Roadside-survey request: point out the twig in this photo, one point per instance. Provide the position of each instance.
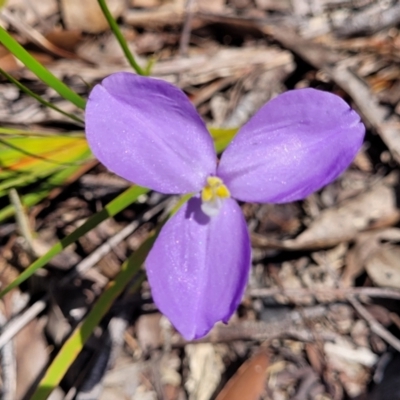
(291, 325)
(107, 246)
(17, 323)
(375, 326)
(187, 27)
(376, 114)
(8, 368)
(309, 379)
(369, 21)
(35, 36)
(339, 292)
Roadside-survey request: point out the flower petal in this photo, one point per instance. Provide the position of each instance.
(147, 131)
(294, 145)
(198, 267)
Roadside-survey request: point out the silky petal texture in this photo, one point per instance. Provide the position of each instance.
(147, 131)
(294, 145)
(199, 266)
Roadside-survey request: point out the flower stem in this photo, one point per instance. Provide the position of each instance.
(122, 42)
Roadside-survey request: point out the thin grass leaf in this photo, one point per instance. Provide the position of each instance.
(40, 99)
(81, 334)
(36, 153)
(74, 344)
(23, 180)
(39, 70)
(40, 193)
(26, 159)
(121, 40)
(110, 210)
(28, 133)
(20, 170)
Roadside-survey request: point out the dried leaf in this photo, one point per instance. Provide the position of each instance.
(248, 382)
(338, 224)
(369, 250)
(383, 266)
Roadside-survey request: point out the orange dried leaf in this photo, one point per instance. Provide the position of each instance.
(249, 381)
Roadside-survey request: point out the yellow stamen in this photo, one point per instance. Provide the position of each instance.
(214, 181)
(207, 194)
(212, 195)
(222, 191)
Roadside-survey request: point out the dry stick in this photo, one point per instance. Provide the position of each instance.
(105, 248)
(349, 295)
(366, 22)
(375, 326)
(261, 330)
(16, 324)
(376, 114)
(35, 36)
(339, 292)
(8, 365)
(187, 27)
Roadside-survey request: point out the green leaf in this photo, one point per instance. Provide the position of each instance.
(40, 99)
(6, 131)
(39, 70)
(111, 209)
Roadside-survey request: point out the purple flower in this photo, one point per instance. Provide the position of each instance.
(148, 132)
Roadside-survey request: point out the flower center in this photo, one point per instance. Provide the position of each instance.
(212, 196)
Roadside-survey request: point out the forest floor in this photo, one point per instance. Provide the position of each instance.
(320, 318)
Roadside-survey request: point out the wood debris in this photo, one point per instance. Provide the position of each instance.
(320, 317)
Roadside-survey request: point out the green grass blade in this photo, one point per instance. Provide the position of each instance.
(30, 172)
(23, 180)
(121, 40)
(111, 209)
(29, 154)
(22, 132)
(41, 192)
(39, 70)
(40, 99)
(81, 334)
